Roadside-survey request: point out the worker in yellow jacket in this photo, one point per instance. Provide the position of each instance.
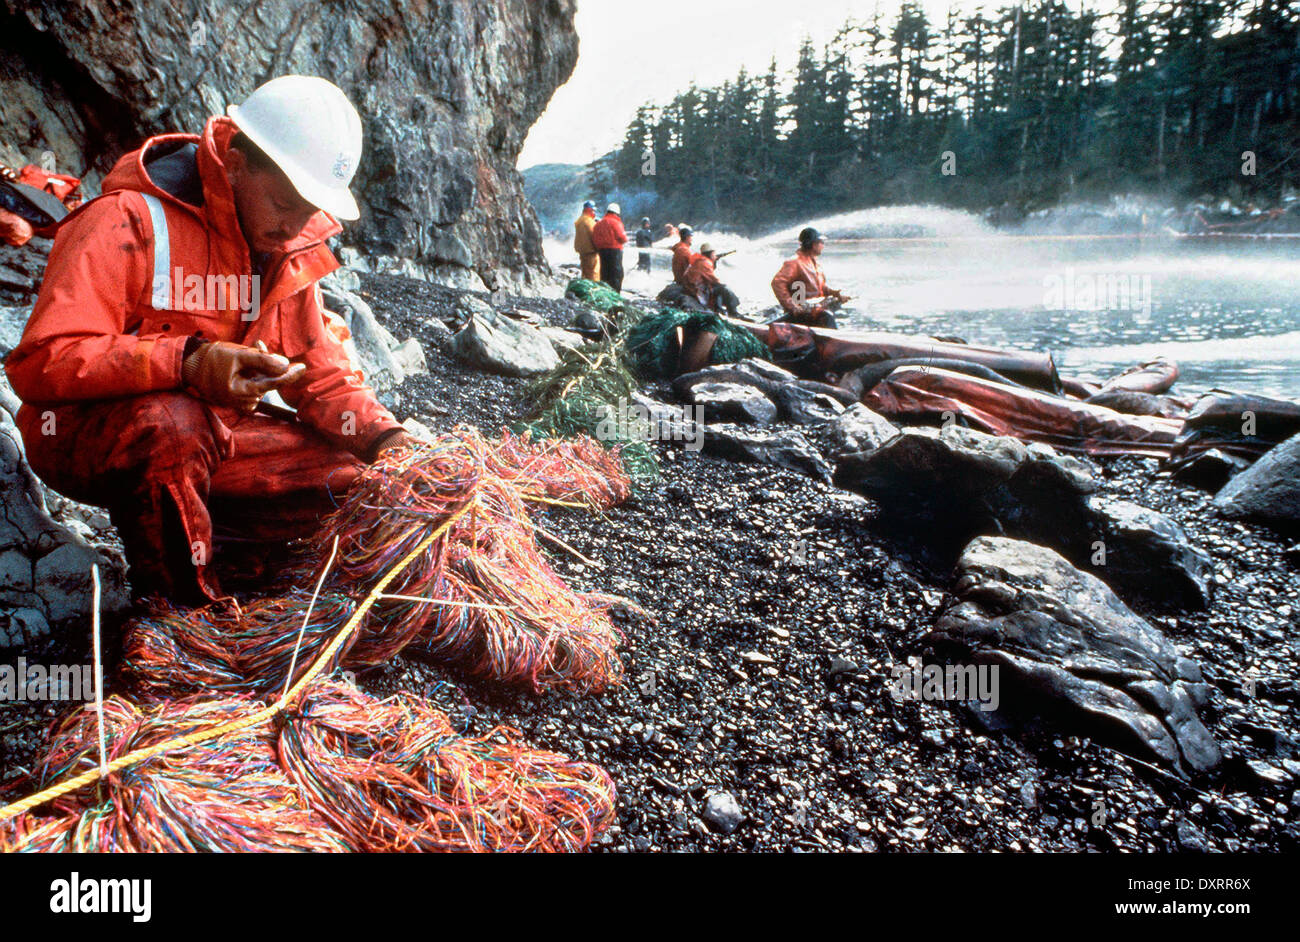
(582, 243)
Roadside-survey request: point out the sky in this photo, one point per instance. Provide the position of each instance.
(633, 51)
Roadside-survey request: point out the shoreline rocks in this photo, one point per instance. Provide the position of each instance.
(784, 448)
(949, 485)
(500, 344)
(45, 563)
(383, 361)
(780, 605)
(1061, 636)
(1267, 491)
(732, 402)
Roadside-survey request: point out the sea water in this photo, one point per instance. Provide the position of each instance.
(1228, 311)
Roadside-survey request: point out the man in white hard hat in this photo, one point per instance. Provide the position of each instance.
(609, 238)
(171, 305)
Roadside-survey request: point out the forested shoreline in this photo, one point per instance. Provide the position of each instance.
(1016, 107)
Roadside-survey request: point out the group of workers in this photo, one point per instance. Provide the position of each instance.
(799, 285)
(599, 244)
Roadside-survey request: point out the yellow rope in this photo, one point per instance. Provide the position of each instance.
(261, 716)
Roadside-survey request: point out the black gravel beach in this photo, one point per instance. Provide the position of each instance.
(756, 711)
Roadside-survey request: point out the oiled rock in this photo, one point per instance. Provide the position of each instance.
(1066, 645)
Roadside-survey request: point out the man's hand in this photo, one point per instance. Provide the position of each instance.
(397, 438)
(230, 374)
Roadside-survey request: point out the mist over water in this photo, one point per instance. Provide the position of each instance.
(1227, 311)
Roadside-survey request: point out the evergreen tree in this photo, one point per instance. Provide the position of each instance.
(1038, 100)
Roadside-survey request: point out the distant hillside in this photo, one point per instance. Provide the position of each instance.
(557, 192)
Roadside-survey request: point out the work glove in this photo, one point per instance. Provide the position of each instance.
(397, 438)
(230, 374)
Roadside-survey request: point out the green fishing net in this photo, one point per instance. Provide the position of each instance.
(576, 398)
(651, 344)
(595, 293)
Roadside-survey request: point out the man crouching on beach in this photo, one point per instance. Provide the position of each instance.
(176, 300)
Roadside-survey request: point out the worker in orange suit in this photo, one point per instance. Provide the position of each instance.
(800, 286)
(609, 238)
(171, 305)
(702, 281)
(588, 257)
(683, 255)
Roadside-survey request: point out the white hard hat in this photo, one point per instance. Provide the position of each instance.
(308, 127)
(614, 208)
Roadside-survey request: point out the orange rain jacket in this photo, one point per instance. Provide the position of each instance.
(700, 276)
(683, 255)
(802, 269)
(582, 227)
(115, 309)
(608, 233)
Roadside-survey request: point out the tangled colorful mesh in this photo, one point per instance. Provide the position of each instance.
(433, 548)
(345, 772)
(229, 794)
(482, 597)
(393, 775)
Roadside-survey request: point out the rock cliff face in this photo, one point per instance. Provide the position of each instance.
(447, 90)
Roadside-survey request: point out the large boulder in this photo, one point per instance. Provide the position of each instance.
(799, 403)
(1138, 546)
(1267, 491)
(732, 402)
(784, 448)
(13, 318)
(958, 472)
(45, 563)
(949, 485)
(859, 430)
(447, 91)
(756, 367)
(795, 400)
(1067, 647)
(384, 362)
(500, 344)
